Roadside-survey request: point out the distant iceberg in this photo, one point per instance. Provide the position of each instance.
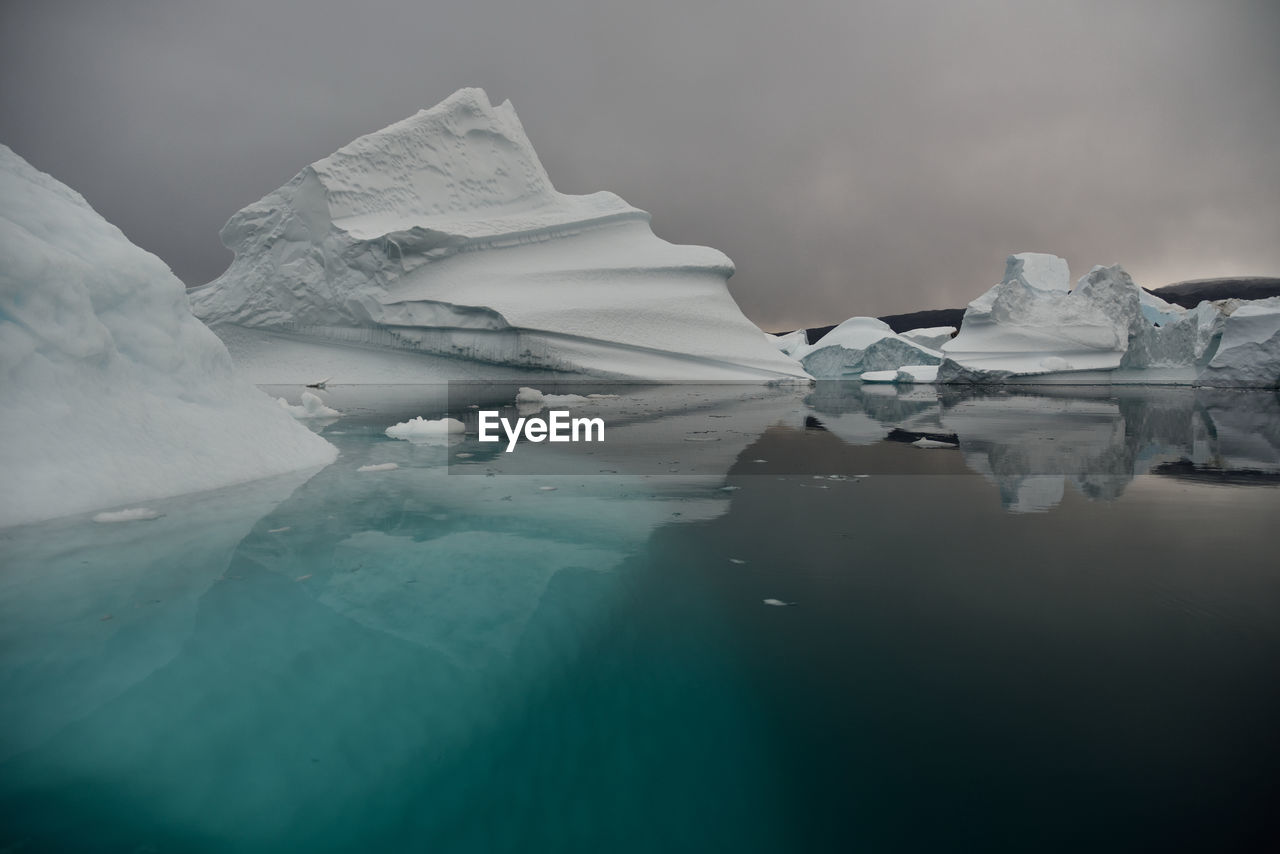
(1032, 327)
(437, 249)
(861, 345)
(113, 392)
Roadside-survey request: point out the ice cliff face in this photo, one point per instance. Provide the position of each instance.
(113, 391)
(437, 249)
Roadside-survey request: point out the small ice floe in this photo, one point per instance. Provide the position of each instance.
(547, 488)
(778, 603)
(134, 514)
(380, 467)
(933, 443)
(311, 407)
(422, 430)
(730, 488)
(739, 561)
(303, 577)
(759, 461)
(279, 530)
(533, 397)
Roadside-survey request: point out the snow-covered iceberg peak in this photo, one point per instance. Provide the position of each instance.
(437, 249)
(113, 392)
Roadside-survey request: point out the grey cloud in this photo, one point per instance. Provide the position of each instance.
(851, 158)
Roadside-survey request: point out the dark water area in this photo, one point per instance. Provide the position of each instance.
(1052, 627)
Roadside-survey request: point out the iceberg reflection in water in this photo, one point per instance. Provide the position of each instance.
(564, 648)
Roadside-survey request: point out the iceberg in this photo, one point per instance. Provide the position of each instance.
(1248, 352)
(861, 345)
(437, 249)
(1032, 328)
(1033, 324)
(114, 392)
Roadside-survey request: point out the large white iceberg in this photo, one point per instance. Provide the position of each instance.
(860, 345)
(113, 391)
(437, 249)
(1031, 327)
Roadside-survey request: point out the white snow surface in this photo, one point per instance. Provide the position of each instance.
(441, 238)
(906, 375)
(860, 345)
(932, 337)
(113, 392)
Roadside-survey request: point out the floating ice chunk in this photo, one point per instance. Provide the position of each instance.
(135, 514)
(778, 603)
(737, 560)
(379, 467)
(420, 429)
(310, 407)
(532, 397)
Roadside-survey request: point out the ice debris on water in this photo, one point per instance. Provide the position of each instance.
(380, 467)
(778, 603)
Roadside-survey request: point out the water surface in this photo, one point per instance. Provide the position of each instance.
(1058, 634)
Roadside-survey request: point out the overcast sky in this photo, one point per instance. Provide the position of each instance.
(852, 158)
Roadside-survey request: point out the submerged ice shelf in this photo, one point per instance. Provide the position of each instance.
(437, 249)
(114, 392)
